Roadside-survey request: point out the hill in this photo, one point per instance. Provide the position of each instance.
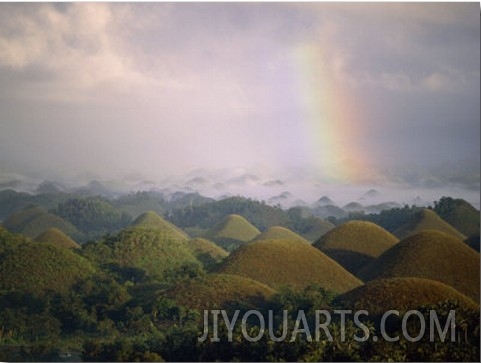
(153, 220)
(221, 291)
(473, 242)
(317, 228)
(426, 219)
(460, 214)
(280, 262)
(36, 267)
(232, 232)
(280, 233)
(57, 237)
(432, 255)
(355, 243)
(33, 221)
(402, 294)
(141, 252)
(207, 252)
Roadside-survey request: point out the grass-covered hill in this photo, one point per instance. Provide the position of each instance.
(207, 252)
(355, 243)
(402, 294)
(56, 237)
(279, 263)
(141, 252)
(151, 219)
(232, 232)
(280, 233)
(34, 267)
(313, 228)
(221, 291)
(33, 221)
(460, 214)
(426, 219)
(432, 255)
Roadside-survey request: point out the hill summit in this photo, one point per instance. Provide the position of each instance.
(233, 231)
(56, 237)
(280, 233)
(151, 219)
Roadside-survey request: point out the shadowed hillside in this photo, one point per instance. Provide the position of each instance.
(460, 214)
(401, 293)
(355, 243)
(207, 252)
(221, 291)
(57, 238)
(151, 219)
(232, 232)
(433, 255)
(280, 262)
(426, 219)
(33, 221)
(280, 233)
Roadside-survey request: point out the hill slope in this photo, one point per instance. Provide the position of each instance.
(33, 221)
(280, 262)
(207, 252)
(402, 294)
(152, 220)
(280, 233)
(215, 291)
(355, 243)
(432, 255)
(426, 219)
(460, 214)
(57, 238)
(233, 231)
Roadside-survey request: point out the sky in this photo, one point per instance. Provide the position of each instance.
(350, 93)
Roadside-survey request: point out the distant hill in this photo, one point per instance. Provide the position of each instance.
(141, 251)
(280, 233)
(355, 243)
(36, 267)
(33, 221)
(460, 214)
(233, 231)
(473, 242)
(56, 237)
(426, 219)
(401, 294)
(315, 228)
(207, 252)
(153, 220)
(433, 255)
(281, 262)
(221, 291)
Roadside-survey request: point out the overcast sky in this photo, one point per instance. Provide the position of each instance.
(376, 92)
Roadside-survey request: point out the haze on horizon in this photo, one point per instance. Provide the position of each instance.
(379, 93)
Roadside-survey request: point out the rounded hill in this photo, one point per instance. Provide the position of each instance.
(432, 255)
(426, 219)
(221, 291)
(280, 233)
(37, 267)
(151, 219)
(138, 252)
(402, 294)
(233, 231)
(282, 262)
(459, 214)
(315, 228)
(207, 252)
(56, 237)
(355, 243)
(33, 221)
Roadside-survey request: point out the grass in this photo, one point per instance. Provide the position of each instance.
(56, 237)
(207, 252)
(464, 217)
(152, 220)
(221, 291)
(280, 233)
(279, 263)
(427, 219)
(355, 243)
(402, 294)
(432, 255)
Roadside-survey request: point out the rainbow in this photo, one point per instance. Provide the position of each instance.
(329, 117)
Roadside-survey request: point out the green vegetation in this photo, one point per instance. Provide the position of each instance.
(151, 219)
(355, 243)
(460, 214)
(207, 252)
(432, 255)
(57, 237)
(280, 233)
(424, 220)
(401, 293)
(277, 263)
(232, 232)
(33, 221)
